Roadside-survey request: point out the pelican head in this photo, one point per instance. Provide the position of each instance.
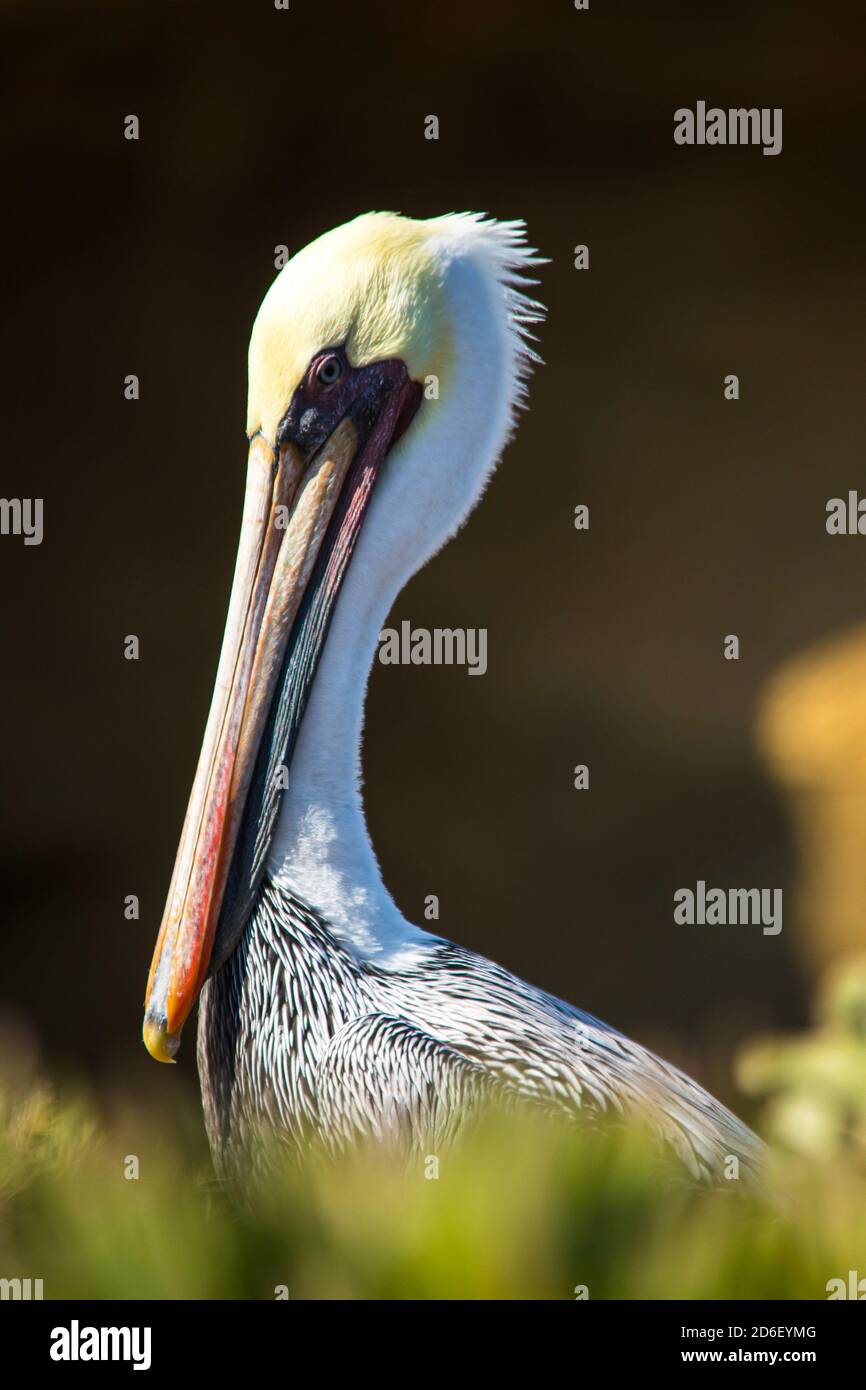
(385, 366)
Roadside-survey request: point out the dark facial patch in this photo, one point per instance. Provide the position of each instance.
(316, 408)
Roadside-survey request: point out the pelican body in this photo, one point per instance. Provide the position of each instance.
(386, 365)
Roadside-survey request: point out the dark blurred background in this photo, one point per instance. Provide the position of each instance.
(261, 127)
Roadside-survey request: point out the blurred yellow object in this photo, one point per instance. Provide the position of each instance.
(811, 731)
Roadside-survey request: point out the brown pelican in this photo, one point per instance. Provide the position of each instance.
(386, 365)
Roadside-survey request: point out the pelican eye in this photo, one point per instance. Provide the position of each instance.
(329, 370)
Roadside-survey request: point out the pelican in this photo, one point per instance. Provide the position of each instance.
(324, 1014)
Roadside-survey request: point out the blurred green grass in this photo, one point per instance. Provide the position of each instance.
(525, 1209)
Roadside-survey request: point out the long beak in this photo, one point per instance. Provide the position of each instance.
(287, 511)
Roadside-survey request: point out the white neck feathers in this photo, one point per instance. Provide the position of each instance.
(321, 850)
